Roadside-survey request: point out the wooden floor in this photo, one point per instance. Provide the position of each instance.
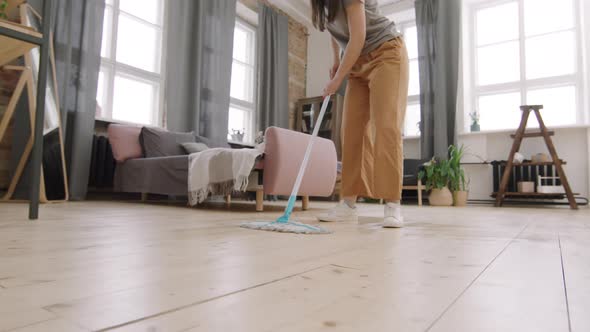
(138, 267)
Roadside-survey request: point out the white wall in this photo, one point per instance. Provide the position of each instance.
(585, 14)
(319, 61)
(588, 157)
(246, 14)
(585, 26)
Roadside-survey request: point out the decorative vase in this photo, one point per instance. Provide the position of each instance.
(441, 197)
(237, 137)
(475, 127)
(460, 198)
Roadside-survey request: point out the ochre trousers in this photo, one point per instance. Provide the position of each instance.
(374, 110)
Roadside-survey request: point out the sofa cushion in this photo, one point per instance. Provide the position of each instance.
(125, 142)
(164, 176)
(194, 147)
(161, 143)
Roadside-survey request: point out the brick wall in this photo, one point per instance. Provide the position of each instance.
(298, 35)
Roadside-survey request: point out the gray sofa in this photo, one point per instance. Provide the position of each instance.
(162, 167)
(153, 161)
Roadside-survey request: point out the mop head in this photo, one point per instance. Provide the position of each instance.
(284, 224)
(284, 227)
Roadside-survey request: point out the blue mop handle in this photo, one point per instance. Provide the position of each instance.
(293, 197)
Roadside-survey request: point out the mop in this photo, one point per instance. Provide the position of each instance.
(284, 224)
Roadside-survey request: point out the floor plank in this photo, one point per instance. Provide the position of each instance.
(521, 290)
(12, 319)
(393, 289)
(161, 267)
(51, 325)
(576, 265)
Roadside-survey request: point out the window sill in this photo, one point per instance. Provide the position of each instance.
(107, 120)
(512, 131)
(411, 138)
(112, 121)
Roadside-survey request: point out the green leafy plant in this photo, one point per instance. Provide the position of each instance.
(3, 6)
(435, 174)
(457, 178)
(474, 117)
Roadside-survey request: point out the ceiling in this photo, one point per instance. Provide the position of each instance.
(381, 2)
(300, 9)
(388, 2)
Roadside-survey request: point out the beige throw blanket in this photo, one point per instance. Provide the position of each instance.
(220, 172)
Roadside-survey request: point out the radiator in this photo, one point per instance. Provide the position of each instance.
(102, 166)
(521, 173)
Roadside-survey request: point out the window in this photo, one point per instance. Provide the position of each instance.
(525, 52)
(130, 83)
(410, 32)
(412, 120)
(243, 86)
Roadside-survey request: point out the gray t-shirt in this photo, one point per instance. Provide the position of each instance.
(379, 28)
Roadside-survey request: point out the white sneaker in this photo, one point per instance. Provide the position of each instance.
(393, 216)
(341, 212)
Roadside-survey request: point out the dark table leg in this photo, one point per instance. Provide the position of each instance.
(40, 113)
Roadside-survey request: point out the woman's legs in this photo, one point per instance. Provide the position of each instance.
(354, 170)
(389, 91)
(372, 151)
(388, 97)
(350, 201)
(355, 179)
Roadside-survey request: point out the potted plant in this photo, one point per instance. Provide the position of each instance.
(3, 7)
(457, 180)
(474, 122)
(435, 176)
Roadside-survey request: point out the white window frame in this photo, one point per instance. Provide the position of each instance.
(412, 99)
(249, 107)
(523, 85)
(110, 65)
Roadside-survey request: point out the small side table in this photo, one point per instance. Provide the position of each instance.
(18, 32)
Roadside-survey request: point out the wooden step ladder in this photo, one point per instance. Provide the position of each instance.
(558, 163)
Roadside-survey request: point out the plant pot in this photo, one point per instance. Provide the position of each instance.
(475, 127)
(12, 9)
(460, 198)
(440, 197)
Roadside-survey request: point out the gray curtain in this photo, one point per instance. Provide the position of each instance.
(198, 66)
(439, 37)
(273, 64)
(77, 36)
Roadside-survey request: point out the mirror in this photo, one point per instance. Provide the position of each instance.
(31, 19)
(54, 171)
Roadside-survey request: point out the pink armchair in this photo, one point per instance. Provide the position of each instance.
(283, 156)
